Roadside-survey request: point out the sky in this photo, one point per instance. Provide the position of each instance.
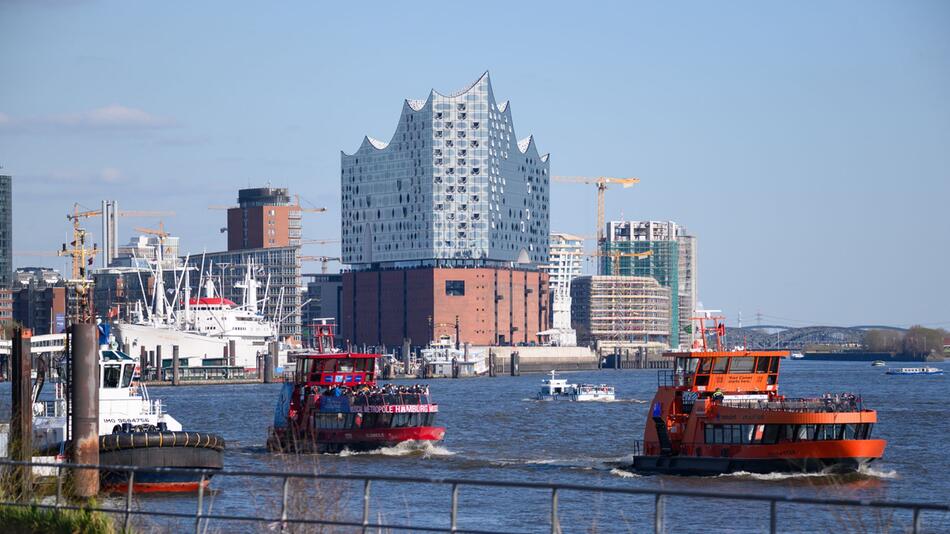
(805, 144)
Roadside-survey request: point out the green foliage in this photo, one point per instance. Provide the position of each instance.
(29, 519)
(916, 341)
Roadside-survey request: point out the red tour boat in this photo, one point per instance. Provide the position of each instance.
(720, 411)
(334, 403)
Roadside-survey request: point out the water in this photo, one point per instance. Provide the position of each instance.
(496, 431)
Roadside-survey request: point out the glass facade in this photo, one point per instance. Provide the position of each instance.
(6, 231)
(453, 187)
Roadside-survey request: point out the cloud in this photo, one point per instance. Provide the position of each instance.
(114, 117)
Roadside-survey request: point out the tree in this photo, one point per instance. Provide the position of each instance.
(883, 341)
(920, 340)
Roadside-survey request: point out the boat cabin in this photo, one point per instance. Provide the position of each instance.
(116, 369)
(336, 369)
(737, 372)
(556, 386)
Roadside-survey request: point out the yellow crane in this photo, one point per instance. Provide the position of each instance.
(109, 212)
(318, 241)
(601, 182)
(615, 258)
(324, 261)
(296, 206)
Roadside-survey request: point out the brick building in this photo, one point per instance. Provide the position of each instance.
(264, 218)
(493, 305)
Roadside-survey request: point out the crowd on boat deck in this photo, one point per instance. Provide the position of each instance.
(372, 395)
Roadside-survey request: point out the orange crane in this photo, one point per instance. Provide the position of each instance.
(601, 183)
(324, 261)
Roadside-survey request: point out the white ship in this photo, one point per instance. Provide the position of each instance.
(202, 328)
(558, 389)
(441, 358)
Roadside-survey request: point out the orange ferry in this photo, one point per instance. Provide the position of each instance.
(720, 411)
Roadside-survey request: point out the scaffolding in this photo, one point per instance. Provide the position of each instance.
(621, 311)
(662, 265)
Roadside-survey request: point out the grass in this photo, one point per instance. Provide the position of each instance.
(29, 519)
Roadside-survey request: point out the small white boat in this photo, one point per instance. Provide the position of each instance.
(797, 356)
(558, 389)
(916, 371)
(878, 363)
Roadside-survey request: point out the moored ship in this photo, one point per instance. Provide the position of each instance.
(334, 403)
(720, 411)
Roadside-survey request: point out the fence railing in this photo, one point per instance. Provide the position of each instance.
(201, 516)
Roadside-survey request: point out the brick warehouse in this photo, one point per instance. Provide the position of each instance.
(494, 305)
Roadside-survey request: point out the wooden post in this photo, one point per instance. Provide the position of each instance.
(21, 417)
(176, 369)
(85, 405)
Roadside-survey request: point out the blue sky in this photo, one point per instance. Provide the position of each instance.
(806, 144)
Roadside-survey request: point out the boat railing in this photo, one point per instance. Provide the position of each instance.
(839, 403)
(49, 408)
(389, 399)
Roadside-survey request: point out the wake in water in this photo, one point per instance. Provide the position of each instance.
(423, 449)
(623, 474)
(604, 401)
(863, 472)
(587, 463)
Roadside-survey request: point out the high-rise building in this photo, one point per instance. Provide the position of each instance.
(454, 189)
(688, 284)
(452, 186)
(668, 254)
(566, 253)
(6, 231)
(264, 218)
(42, 301)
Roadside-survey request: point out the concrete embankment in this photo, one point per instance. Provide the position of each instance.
(542, 359)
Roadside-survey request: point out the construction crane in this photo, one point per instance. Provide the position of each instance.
(615, 258)
(318, 241)
(601, 183)
(324, 261)
(109, 213)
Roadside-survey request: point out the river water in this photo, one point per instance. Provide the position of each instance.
(494, 430)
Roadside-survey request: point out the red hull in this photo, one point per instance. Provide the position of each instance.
(363, 439)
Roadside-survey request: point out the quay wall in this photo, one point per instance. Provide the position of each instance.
(543, 359)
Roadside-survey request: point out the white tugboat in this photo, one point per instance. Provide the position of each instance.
(555, 388)
(133, 430)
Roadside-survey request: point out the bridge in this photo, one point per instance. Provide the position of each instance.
(46, 344)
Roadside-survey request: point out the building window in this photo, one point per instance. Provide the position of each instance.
(455, 288)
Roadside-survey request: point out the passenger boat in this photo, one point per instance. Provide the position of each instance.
(878, 363)
(721, 412)
(797, 356)
(134, 430)
(334, 403)
(916, 371)
(555, 388)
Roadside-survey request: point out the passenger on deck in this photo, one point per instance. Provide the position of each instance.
(718, 395)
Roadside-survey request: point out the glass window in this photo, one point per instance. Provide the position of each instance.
(111, 375)
(762, 364)
(742, 365)
(720, 365)
(705, 365)
(455, 288)
(773, 365)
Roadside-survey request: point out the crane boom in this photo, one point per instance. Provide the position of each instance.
(601, 183)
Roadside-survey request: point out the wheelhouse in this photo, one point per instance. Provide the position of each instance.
(734, 371)
(336, 369)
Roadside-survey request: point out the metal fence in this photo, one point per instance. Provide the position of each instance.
(284, 520)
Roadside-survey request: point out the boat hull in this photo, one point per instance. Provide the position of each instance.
(197, 450)
(333, 441)
(704, 466)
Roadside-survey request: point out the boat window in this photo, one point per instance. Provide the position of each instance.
(705, 366)
(111, 375)
(770, 435)
(762, 365)
(805, 433)
(720, 365)
(773, 366)
(742, 365)
(127, 375)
